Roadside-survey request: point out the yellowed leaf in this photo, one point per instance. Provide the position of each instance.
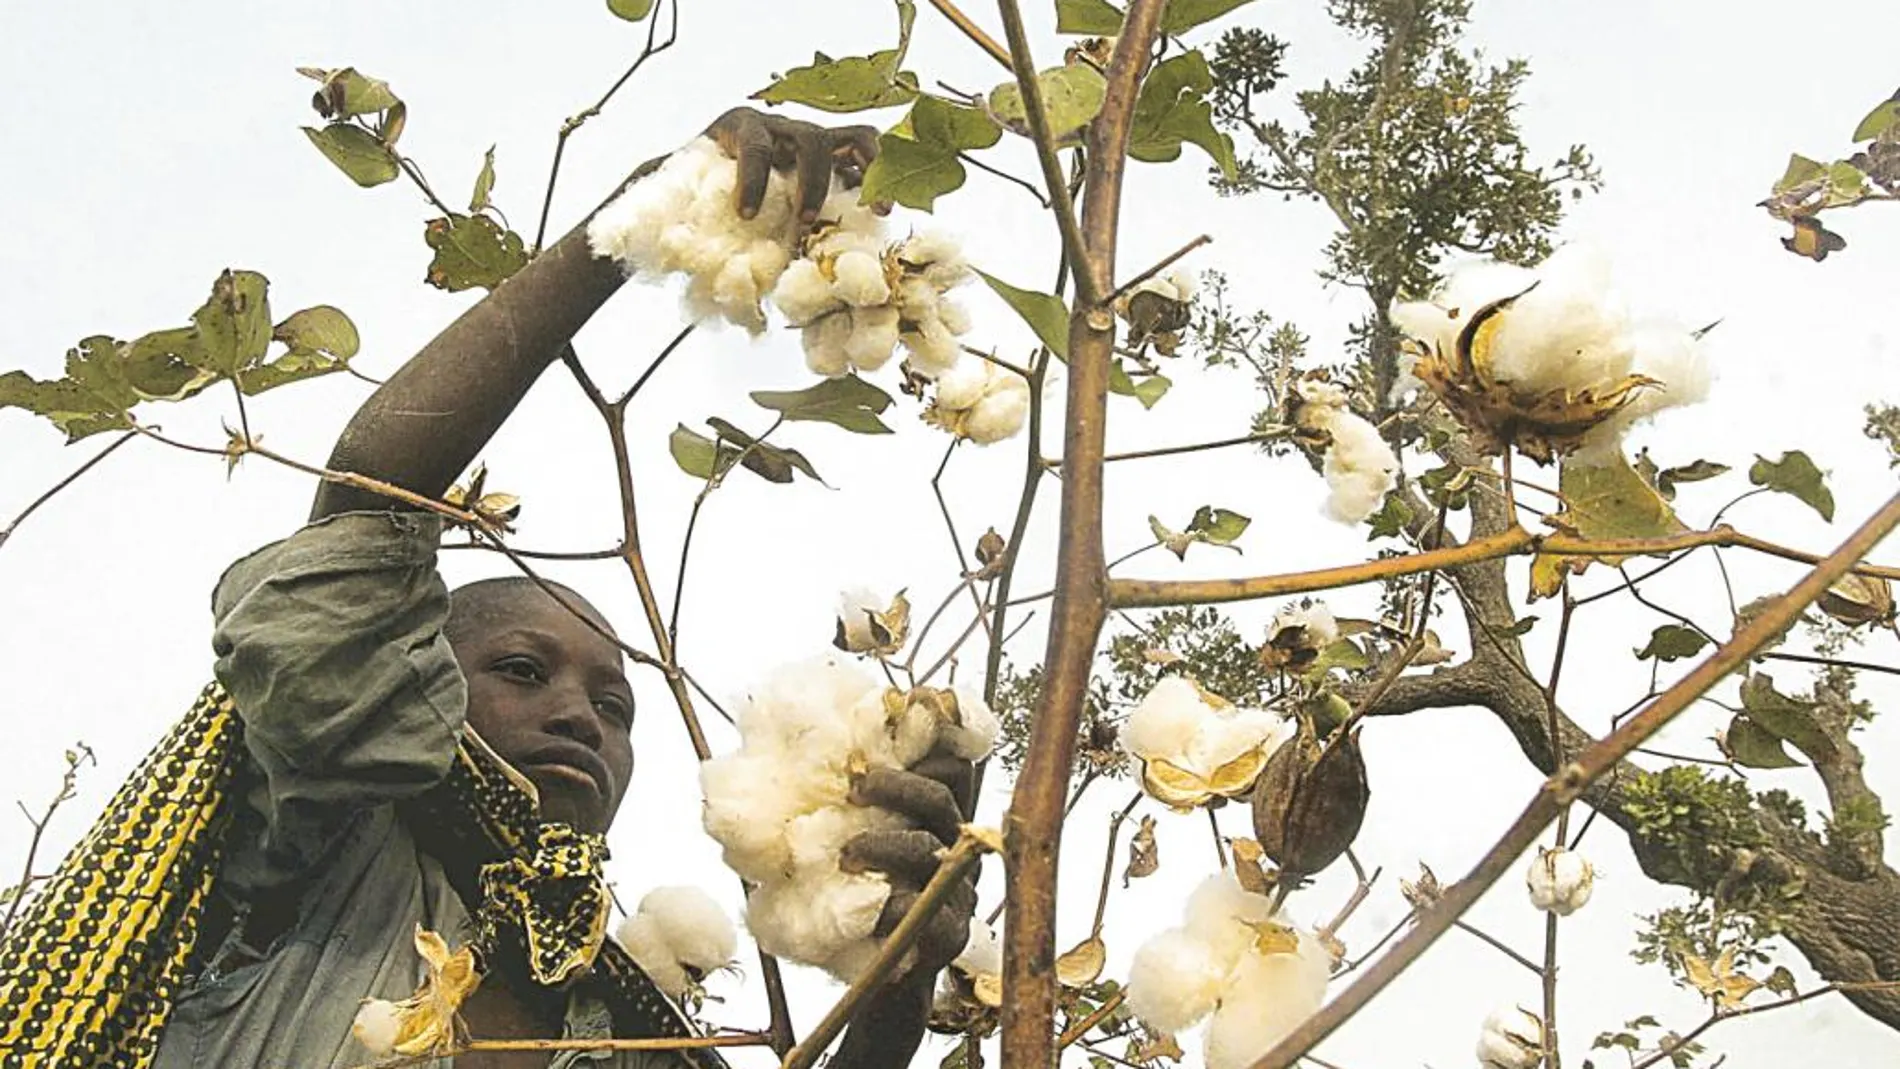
(988, 987)
(1081, 965)
(1250, 868)
(1161, 657)
(1144, 857)
(1159, 1046)
(1272, 937)
(1720, 981)
(429, 1019)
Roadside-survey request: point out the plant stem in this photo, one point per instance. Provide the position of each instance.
(34, 506)
(972, 31)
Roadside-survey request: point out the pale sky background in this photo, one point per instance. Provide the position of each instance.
(151, 146)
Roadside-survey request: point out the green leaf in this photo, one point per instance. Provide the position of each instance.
(934, 121)
(1603, 500)
(1672, 642)
(768, 462)
(1218, 526)
(1390, 520)
(470, 251)
(1753, 746)
(846, 401)
(484, 182)
(234, 328)
(1152, 387)
(165, 365)
(1846, 184)
(631, 10)
(1071, 96)
(697, 455)
(1794, 474)
(319, 330)
(1785, 717)
(93, 396)
(346, 94)
(286, 369)
(1343, 653)
(912, 174)
(1878, 121)
(855, 83)
(356, 153)
(1045, 313)
(1173, 108)
(1183, 15)
(1092, 18)
(1799, 172)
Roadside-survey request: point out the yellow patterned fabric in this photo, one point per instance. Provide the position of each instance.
(91, 964)
(90, 967)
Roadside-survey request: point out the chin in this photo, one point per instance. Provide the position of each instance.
(559, 805)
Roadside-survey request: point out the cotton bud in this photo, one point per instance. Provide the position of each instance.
(677, 936)
(1560, 881)
(1310, 801)
(1513, 1038)
(1296, 636)
(377, 1026)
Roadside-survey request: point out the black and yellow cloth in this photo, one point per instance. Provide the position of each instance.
(335, 733)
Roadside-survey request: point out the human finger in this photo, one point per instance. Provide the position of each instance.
(945, 932)
(852, 150)
(813, 164)
(953, 772)
(909, 857)
(923, 801)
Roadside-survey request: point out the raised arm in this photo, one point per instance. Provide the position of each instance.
(422, 427)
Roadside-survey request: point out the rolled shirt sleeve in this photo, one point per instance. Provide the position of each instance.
(330, 643)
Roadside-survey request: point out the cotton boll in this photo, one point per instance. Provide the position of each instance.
(933, 349)
(803, 293)
(961, 385)
(735, 288)
(824, 341)
(640, 936)
(873, 337)
(855, 607)
(1567, 333)
(1166, 720)
(1359, 467)
(1512, 1038)
(815, 839)
(1227, 734)
(1560, 881)
(1321, 628)
(1175, 980)
(916, 300)
(859, 280)
(1001, 413)
(1265, 1001)
(693, 926)
(747, 807)
(378, 1022)
(955, 317)
(768, 260)
(812, 920)
(1218, 912)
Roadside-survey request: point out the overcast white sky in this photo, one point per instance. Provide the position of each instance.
(151, 146)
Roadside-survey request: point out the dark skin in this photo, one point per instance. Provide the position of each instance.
(545, 689)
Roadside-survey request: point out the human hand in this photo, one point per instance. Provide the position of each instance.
(935, 797)
(763, 143)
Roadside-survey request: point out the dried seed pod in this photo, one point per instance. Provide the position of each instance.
(1859, 599)
(1310, 801)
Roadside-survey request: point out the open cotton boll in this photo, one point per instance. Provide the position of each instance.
(1219, 912)
(955, 317)
(1570, 332)
(961, 385)
(804, 293)
(815, 839)
(855, 607)
(751, 800)
(377, 1025)
(859, 280)
(824, 341)
(640, 936)
(873, 337)
(1166, 720)
(1320, 628)
(1175, 980)
(1359, 469)
(1002, 411)
(1512, 1038)
(693, 926)
(933, 349)
(975, 736)
(1226, 734)
(1675, 358)
(1267, 997)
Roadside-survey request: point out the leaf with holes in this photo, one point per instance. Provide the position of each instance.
(854, 83)
(233, 325)
(1786, 717)
(846, 401)
(1173, 109)
(471, 251)
(1794, 474)
(1072, 94)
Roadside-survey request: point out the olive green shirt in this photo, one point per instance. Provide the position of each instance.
(330, 642)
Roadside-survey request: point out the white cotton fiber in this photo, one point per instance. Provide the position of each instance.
(978, 400)
(1359, 466)
(781, 805)
(1174, 723)
(1175, 980)
(683, 219)
(873, 337)
(859, 280)
(982, 951)
(803, 293)
(677, 935)
(377, 1025)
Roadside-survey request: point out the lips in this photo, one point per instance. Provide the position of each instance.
(573, 761)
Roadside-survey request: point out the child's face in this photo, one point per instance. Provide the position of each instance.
(547, 692)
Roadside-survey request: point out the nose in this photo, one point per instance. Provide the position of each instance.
(574, 718)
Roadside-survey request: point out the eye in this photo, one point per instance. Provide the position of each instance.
(615, 708)
(520, 667)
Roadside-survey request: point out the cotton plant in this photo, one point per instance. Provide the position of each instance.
(1158, 309)
(1195, 746)
(780, 805)
(857, 297)
(1249, 971)
(980, 401)
(678, 936)
(1297, 634)
(1358, 465)
(1559, 880)
(1548, 359)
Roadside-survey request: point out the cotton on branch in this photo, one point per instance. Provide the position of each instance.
(1559, 880)
(980, 401)
(857, 296)
(677, 936)
(1359, 465)
(781, 804)
(1560, 366)
(1194, 745)
(1254, 972)
(1512, 1038)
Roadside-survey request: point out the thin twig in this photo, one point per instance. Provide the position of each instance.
(1128, 287)
(7, 531)
(1074, 250)
(972, 31)
(79, 754)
